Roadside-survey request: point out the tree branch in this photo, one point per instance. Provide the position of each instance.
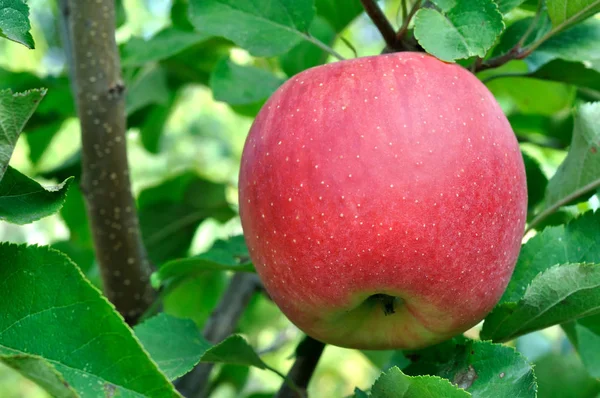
(381, 21)
(592, 186)
(99, 92)
(221, 324)
(308, 354)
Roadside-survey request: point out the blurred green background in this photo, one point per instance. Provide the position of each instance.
(207, 136)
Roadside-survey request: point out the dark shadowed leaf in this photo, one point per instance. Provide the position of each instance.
(563, 376)
(38, 139)
(55, 314)
(585, 335)
(170, 213)
(153, 125)
(306, 55)
(23, 200)
(536, 182)
(242, 85)
(74, 214)
(339, 13)
(148, 87)
(229, 255)
(581, 74)
(506, 5)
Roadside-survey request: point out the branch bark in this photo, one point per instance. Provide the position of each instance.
(100, 96)
(308, 354)
(221, 324)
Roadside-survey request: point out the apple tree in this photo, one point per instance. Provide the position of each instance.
(248, 198)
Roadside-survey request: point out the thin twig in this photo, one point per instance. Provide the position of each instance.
(221, 324)
(100, 96)
(381, 21)
(307, 356)
(513, 53)
(404, 9)
(522, 42)
(555, 206)
(404, 28)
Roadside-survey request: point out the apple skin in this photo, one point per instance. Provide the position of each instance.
(383, 201)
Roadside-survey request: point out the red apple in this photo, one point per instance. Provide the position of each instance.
(383, 201)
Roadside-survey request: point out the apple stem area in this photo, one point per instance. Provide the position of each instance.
(389, 303)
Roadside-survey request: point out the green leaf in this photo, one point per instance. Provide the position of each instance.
(339, 13)
(41, 372)
(574, 243)
(58, 103)
(14, 22)
(395, 384)
(585, 334)
(536, 182)
(263, 27)
(163, 45)
(306, 55)
(482, 368)
(468, 29)
(177, 346)
(38, 139)
(553, 131)
(15, 111)
(153, 124)
(242, 85)
(55, 314)
(562, 375)
(74, 214)
(148, 87)
(515, 32)
(577, 44)
(507, 5)
(23, 200)
(579, 175)
(581, 74)
(229, 255)
(170, 213)
(532, 96)
(571, 11)
(195, 297)
(560, 294)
